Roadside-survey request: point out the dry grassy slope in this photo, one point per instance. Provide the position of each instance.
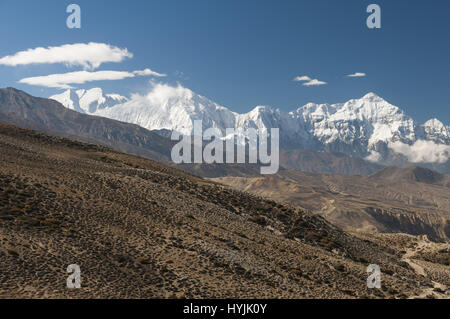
(362, 203)
(141, 229)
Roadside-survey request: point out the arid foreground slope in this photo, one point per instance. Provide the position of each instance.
(139, 229)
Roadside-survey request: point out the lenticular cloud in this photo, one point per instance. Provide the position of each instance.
(65, 80)
(87, 55)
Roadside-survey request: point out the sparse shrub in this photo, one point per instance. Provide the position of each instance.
(12, 252)
(49, 222)
(27, 221)
(281, 216)
(392, 291)
(233, 246)
(143, 260)
(260, 220)
(363, 260)
(326, 242)
(297, 271)
(404, 264)
(312, 236)
(339, 267)
(439, 290)
(122, 259)
(388, 272)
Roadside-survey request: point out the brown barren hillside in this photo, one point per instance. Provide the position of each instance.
(140, 229)
(413, 174)
(411, 200)
(325, 163)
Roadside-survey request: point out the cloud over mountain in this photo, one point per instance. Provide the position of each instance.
(422, 151)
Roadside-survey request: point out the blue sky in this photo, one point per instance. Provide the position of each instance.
(243, 53)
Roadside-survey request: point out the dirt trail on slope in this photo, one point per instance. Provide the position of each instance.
(431, 291)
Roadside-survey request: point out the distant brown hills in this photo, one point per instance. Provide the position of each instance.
(326, 163)
(413, 174)
(412, 200)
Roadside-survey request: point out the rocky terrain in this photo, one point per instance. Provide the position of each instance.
(140, 229)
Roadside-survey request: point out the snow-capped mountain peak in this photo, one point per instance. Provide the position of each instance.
(69, 99)
(371, 97)
(435, 130)
(170, 108)
(368, 127)
(88, 101)
(434, 123)
(365, 121)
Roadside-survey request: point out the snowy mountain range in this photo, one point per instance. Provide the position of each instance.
(369, 127)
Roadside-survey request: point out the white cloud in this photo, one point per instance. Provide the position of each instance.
(308, 81)
(89, 56)
(149, 72)
(422, 151)
(356, 75)
(373, 157)
(314, 82)
(302, 78)
(64, 81)
(162, 92)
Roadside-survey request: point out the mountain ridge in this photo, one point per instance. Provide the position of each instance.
(370, 127)
(49, 116)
